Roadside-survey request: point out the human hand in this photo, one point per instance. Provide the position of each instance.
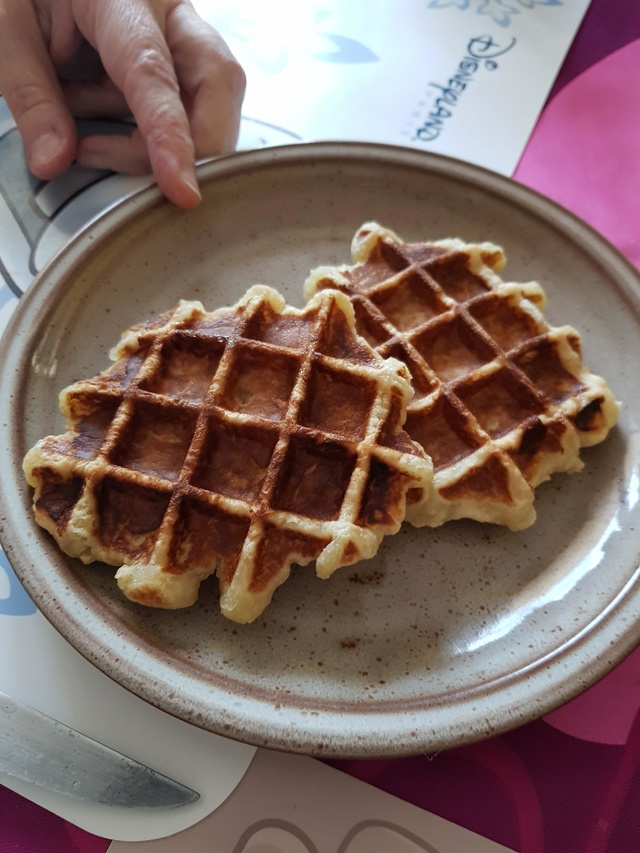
(156, 60)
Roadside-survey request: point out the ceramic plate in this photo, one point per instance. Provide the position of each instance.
(448, 635)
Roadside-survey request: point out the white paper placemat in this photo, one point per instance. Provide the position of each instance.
(466, 78)
(293, 804)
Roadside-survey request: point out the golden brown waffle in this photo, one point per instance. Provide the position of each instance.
(236, 442)
(502, 399)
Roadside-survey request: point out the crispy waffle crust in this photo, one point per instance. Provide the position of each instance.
(502, 399)
(236, 442)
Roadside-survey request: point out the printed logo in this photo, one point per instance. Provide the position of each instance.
(482, 53)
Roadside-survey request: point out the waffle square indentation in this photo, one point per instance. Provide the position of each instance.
(542, 364)
(260, 383)
(155, 441)
(409, 302)
(369, 327)
(338, 402)
(337, 339)
(290, 332)
(130, 515)
(219, 327)
(508, 324)
(500, 403)
(385, 260)
(276, 547)
(94, 414)
(125, 370)
(234, 459)
(59, 494)
(457, 281)
(207, 537)
(314, 478)
(443, 431)
(187, 366)
(382, 495)
(452, 349)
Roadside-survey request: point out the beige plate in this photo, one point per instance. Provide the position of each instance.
(447, 636)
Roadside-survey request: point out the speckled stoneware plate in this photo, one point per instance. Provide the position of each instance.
(448, 635)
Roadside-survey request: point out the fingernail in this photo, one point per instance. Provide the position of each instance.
(44, 150)
(190, 181)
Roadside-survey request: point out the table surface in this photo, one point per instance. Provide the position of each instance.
(570, 781)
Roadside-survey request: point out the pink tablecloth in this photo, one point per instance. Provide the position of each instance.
(569, 782)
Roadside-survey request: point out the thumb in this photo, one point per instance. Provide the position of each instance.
(30, 86)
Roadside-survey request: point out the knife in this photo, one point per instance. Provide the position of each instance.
(36, 748)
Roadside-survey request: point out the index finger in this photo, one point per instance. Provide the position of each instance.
(135, 55)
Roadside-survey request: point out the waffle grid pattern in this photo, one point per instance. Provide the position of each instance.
(502, 399)
(237, 442)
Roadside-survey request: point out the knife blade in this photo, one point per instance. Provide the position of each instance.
(37, 749)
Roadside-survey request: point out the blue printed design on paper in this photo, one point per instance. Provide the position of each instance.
(346, 51)
(500, 11)
(17, 602)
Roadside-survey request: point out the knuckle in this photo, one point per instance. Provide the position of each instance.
(237, 79)
(150, 63)
(27, 98)
(226, 73)
(165, 127)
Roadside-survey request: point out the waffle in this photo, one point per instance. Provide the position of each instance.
(502, 399)
(235, 442)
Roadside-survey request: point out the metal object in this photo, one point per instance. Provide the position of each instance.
(36, 748)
